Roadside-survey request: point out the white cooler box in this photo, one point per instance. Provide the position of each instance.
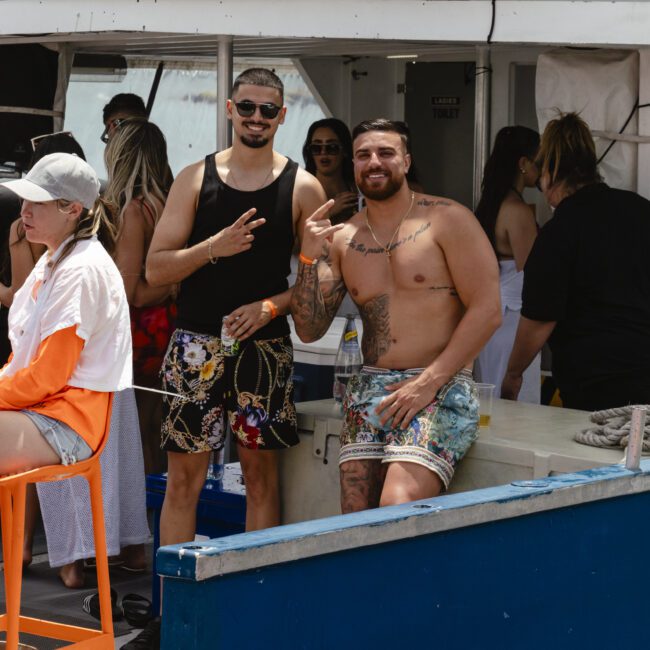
(523, 442)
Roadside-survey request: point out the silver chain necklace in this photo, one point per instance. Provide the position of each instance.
(238, 186)
(387, 248)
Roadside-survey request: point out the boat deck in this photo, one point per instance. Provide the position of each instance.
(44, 596)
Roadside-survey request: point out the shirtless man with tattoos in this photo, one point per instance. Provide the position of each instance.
(426, 282)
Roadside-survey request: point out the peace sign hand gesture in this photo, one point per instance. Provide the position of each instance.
(238, 237)
(318, 230)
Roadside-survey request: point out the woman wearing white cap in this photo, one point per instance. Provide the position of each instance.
(68, 324)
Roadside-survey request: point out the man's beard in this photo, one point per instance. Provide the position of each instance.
(254, 142)
(391, 188)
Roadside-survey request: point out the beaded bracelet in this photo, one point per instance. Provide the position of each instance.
(213, 260)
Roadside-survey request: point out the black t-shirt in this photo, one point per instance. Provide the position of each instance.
(589, 270)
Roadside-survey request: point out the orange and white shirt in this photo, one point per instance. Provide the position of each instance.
(70, 333)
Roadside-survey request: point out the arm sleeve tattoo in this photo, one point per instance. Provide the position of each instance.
(313, 306)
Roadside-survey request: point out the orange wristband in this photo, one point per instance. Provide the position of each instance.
(306, 260)
(272, 307)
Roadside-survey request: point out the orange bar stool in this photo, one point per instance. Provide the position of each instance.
(12, 505)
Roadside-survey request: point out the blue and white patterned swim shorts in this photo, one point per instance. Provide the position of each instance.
(437, 437)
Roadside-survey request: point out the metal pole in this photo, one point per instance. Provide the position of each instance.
(66, 56)
(481, 116)
(224, 84)
(154, 88)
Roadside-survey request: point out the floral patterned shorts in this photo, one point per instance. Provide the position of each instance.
(252, 392)
(437, 437)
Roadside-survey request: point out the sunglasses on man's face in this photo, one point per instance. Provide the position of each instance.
(111, 125)
(330, 149)
(268, 110)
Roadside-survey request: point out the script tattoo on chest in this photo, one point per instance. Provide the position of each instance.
(376, 328)
(426, 203)
(360, 247)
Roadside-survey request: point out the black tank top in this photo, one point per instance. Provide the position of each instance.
(215, 290)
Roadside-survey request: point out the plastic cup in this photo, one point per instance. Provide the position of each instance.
(485, 400)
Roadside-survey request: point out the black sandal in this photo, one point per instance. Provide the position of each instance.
(137, 610)
(91, 606)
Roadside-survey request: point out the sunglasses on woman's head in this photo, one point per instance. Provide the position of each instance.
(331, 149)
(39, 138)
(268, 110)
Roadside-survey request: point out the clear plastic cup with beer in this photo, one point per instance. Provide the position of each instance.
(485, 399)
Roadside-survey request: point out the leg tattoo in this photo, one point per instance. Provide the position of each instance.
(361, 484)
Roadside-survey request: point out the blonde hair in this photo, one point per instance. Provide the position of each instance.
(567, 152)
(90, 223)
(136, 161)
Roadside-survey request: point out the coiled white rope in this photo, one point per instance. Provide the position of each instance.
(612, 429)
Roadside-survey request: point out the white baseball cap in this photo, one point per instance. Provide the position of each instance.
(59, 176)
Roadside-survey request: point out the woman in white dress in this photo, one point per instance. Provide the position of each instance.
(510, 225)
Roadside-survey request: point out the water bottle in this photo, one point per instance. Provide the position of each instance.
(229, 344)
(348, 358)
(214, 476)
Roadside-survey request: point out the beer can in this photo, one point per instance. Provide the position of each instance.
(229, 344)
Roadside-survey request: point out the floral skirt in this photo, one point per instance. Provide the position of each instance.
(252, 392)
(151, 328)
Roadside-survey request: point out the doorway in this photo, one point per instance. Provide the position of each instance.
(439, 110)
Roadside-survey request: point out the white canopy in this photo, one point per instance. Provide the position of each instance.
(298, 27)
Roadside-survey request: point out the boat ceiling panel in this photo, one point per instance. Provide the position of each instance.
(193, 46)
(293, 24)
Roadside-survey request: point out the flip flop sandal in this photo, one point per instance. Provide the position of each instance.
(137, 610)
(90, 564)
(132, 569)
(91, 606)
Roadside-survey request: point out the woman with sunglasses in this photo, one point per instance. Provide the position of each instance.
(510, 226)
(328, 156)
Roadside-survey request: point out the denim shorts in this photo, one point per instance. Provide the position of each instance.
(69, 446)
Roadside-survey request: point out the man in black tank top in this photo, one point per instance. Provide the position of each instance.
(226, 236)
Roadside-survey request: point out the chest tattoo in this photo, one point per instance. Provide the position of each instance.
(426, 203)
(452, 290)
(360, 247)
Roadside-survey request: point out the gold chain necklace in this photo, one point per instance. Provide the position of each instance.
(238, 186)
(387, 248)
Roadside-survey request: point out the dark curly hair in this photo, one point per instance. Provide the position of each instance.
(567, 152)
